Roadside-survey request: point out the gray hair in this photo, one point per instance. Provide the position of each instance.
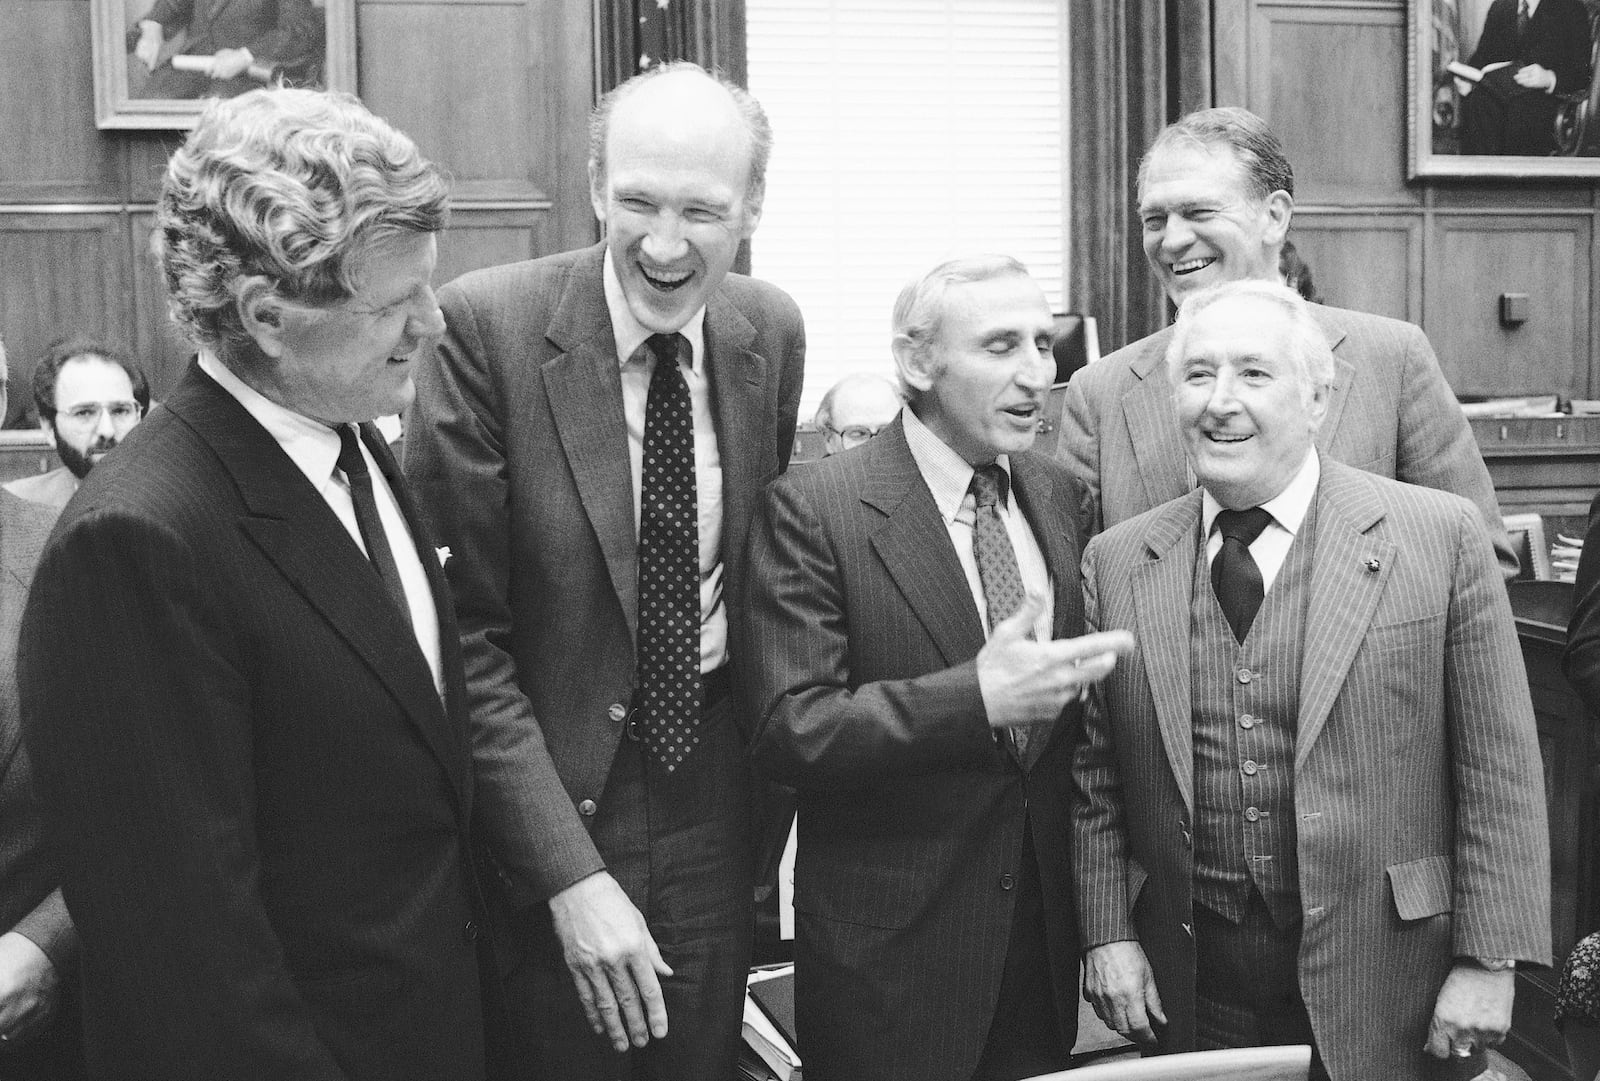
(1255, 146)
(1310, 353)
(285, 185)
(919, 309)
(757, 127)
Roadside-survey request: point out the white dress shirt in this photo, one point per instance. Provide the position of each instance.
(948, 476)
(636, 372)
(314, 449)
(1288, 509)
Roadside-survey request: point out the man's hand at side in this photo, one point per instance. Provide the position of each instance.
(30, 987)
(1027, 682)
(1119, 984)
(1473, 1010)
(613, 960)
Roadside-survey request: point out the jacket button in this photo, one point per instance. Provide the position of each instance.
(617, 711)
(1249, 767)
(1244, 675)
(1246, 721)
(587, 808)
(1007, 882)
(1251, 814)
(471, 930)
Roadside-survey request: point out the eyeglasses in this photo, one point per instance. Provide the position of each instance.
(87, 415)
(856, 434)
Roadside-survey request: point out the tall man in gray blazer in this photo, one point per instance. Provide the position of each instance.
(1216, 195)
(909, 599)
(1313, 806)
(594, 418)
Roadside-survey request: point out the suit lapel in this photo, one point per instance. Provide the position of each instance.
(1147, 408)
(1350, 569)
(1049, 508)
(1344, 375)
(915, 548)
(1162, 586)
(584, 385)
(744, 415)
(295, 529)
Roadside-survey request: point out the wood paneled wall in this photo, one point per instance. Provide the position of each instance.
(497, 91)
(1330, 77)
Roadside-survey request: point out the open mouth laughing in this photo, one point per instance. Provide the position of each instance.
(1189, 266)
(666, 281)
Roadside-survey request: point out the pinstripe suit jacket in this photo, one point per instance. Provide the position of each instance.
(518, 452)
(1391, 413)
(1418, 788)
(862, 632)
(30, 876)
(259, 797)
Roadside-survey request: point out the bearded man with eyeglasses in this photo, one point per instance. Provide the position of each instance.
(89, 396)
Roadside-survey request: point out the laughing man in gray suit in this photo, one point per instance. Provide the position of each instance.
(1216, 194)
(1313, 803)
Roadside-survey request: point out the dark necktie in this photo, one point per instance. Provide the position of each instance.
(1234, 575)
(354, 468)
(1003, 591)
(669, 563)
(1522, 18)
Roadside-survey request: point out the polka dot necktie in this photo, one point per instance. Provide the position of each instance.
(1003, 591)
(669, 563)
(1235, 578)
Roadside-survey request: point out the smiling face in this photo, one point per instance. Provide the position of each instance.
(1246, 406)
(351, 360)
(982, 380)
(673, 195)
(1202, 224)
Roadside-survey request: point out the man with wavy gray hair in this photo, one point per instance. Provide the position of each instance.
(241, 679)
(1312, 803)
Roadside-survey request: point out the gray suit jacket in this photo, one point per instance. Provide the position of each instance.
(861, 633)
(518, 452)
(30, 894)
(1418, 788)
(1391, 413)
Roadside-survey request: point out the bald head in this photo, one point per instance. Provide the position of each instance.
(855, 409)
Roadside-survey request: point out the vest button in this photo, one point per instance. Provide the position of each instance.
(617, 711)
(587, 808)
(1007, 882)
(1246, 721)
(1251, 814)
(1244, 675)
(1249, 768)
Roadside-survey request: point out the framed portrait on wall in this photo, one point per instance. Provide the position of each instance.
(157, 61)
(1504, 88)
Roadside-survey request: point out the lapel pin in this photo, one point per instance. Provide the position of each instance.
(443, 554)
(1372, 564)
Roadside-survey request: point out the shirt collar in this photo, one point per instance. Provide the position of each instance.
(947, 474)
(630, 334)
(310, 444)
(1288, 508)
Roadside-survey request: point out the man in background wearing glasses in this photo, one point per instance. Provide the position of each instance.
(89, 396)
(855, 409)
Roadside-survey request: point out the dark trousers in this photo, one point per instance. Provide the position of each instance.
(1025, 1037)
(1247, 983)
(678, 844)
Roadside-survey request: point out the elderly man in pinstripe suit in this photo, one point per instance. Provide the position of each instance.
(934, 932)
(1313, 808)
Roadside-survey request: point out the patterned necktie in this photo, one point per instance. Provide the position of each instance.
(354, 468)
(997, 561)
(1522, 18)
(1235, 578)
(669, 563)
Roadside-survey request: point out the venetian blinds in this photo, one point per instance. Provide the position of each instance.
(907, 131)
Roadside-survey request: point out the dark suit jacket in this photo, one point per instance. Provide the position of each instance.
(1557, 38)
(260, 799)
(30, 874)
(274, 31)
(861, 634)
(1418, 787)
(1581, 662)
(518, 451)
(1391, 413)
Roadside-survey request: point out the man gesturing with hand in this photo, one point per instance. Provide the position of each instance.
(911, 640)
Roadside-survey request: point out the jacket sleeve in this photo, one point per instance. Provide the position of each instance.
(138, 715)
(1079, 449)
(816, 727)
(455, 460)
(1581, 662)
